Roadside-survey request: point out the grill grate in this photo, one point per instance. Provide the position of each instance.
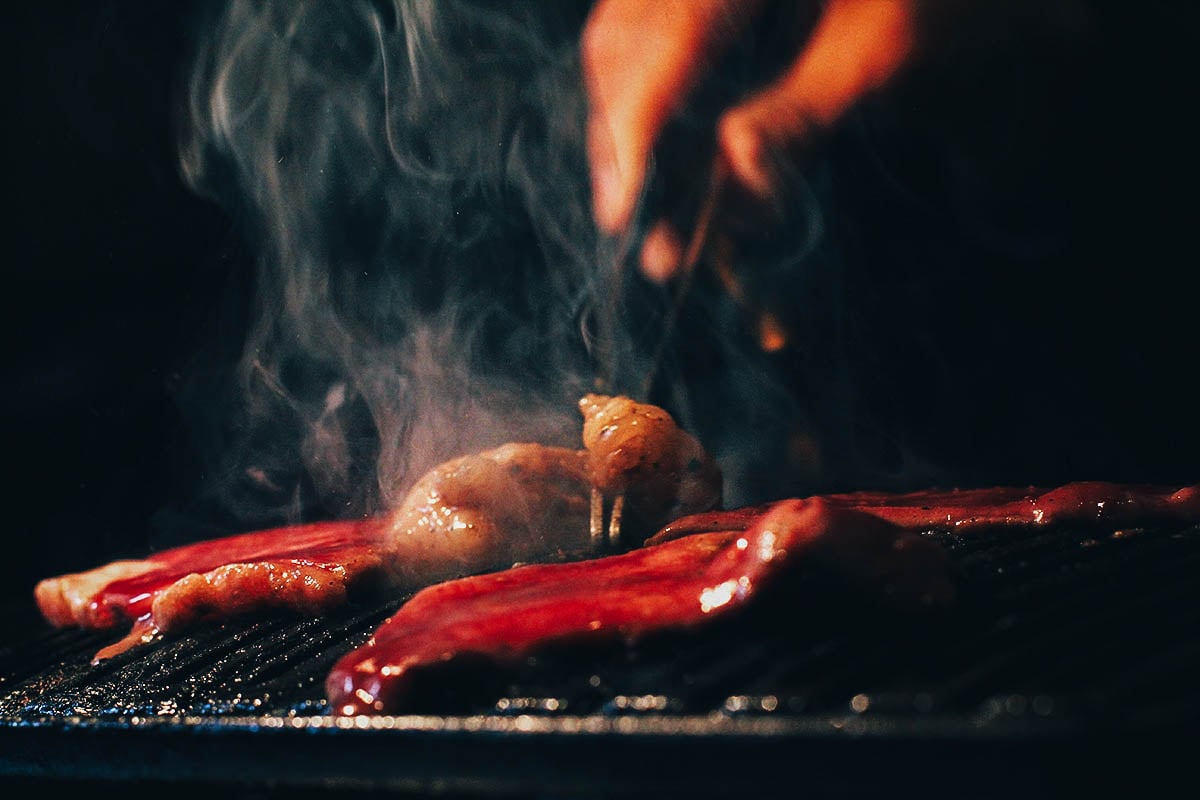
(1078, 636)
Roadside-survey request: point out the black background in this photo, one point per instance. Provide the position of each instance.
(114, 271)
(1083, 355)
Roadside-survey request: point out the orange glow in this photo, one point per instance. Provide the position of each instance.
(771, 336)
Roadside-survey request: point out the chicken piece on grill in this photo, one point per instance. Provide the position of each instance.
(637, 450)
(515, 503)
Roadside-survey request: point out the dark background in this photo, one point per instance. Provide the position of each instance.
(115, 273)
(1057, 195)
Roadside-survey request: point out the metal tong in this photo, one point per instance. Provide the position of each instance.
(605, 525)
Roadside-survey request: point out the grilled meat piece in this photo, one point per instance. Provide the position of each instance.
(1083, 502)
(504, 617)
(300, 567)
(518, 502)
(637, 450)
(708, 565)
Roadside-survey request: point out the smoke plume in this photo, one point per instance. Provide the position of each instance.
(411, 177)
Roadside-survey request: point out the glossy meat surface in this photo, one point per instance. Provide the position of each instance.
(301, 568)
(967, 509)
(708, 565)
(109, 595)
(637, 449)
(518, 502)
(506, 616)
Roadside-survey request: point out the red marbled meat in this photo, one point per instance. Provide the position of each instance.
(682, 582)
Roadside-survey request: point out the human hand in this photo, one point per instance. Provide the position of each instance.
(641, 61)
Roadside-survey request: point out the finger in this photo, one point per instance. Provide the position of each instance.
(856, 47)
(640, 59)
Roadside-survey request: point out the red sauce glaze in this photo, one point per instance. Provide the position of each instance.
(705, 566)
(326, 545)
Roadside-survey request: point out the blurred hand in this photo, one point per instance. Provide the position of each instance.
(641, 61)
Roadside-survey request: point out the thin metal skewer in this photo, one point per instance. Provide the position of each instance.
(596, 526)
(614, 523)
(699, 240)
(696, 246)
(605, 535)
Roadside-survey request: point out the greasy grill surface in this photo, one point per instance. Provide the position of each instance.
(1064, 642)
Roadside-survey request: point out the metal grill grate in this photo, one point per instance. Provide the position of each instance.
(1079, 637)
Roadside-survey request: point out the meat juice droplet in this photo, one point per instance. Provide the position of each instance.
(143, 631)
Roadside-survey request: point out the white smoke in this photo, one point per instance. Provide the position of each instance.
(426, 246)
